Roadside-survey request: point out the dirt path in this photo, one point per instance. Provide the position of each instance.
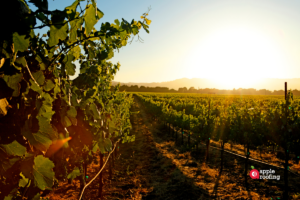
(153, 167)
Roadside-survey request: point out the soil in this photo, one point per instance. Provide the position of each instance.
(154, 166)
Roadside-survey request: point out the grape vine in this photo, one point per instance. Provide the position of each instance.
(53, 127)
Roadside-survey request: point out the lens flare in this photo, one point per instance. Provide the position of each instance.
(56, 145)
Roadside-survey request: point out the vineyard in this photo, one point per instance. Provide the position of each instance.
(79, 138)
(255, 122)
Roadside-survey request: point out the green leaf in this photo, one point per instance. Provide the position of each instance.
(66, 121)
(41, 61)
(73, 120)
(74, 100)
(49, 85)
(20, 43)
(107, 144)
(102, 55)
(24, 181)
(39, 77)
(41, 139)
(72, 112)
(94, 110)
(135, 30)
(37, 197)
(57, 32)
(7, 164)
(13, 149)
(108, 40)
(91, 19)
(145, 27)
(95, 148)
(43, 172)
(21, 61)
(41, 16)
(74, 26)
(71, 10)
(91, 53)
(74, 174)
(35, 87)
(56, 90)
(117, 22)
(110, 55)
(124, 42)
(123, 35)
(76, 52)
(14, 83)
(57, 17)
(9, 197)
(70, 68)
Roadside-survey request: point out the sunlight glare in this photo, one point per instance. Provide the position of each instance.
(236, 57)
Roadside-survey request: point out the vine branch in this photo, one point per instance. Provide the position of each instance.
(31, 75)
(99, 171)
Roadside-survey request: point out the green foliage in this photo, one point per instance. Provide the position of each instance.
(21, 43)
(57, 32)
(255, 121)
(13, 82)
(13, 149)
(74, 174)
(49, 113)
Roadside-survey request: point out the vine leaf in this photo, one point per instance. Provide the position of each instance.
(123, 34)
(49, 85)
(105, 145)
(57, 32)
(72, 112)
(95, 148)
(43, 173)
(35, 87)
(74, 26)
(66, 121)
(13, 149)
(76, 52)
(43, 138)
(20, 43)
(70, 67)
(39, 77)
(24, 181)
(91, 19)
(94, 110)
(7, 164)
(71, 10)
(21, 61)
(41, 61)
(74, 174)
(14, 83)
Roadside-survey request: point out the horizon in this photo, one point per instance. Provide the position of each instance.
(277, 84)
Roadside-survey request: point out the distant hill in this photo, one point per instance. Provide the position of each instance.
(268, 83)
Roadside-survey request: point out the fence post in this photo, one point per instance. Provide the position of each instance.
(285, 89)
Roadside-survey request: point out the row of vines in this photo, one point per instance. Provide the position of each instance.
(252, 122)
(51, 127)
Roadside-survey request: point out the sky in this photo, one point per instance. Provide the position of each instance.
(234, 43)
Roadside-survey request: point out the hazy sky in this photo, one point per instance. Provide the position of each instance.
(233, 42)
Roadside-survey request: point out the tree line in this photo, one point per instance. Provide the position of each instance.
(240, 91)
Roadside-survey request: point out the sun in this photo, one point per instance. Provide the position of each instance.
(235, 57)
